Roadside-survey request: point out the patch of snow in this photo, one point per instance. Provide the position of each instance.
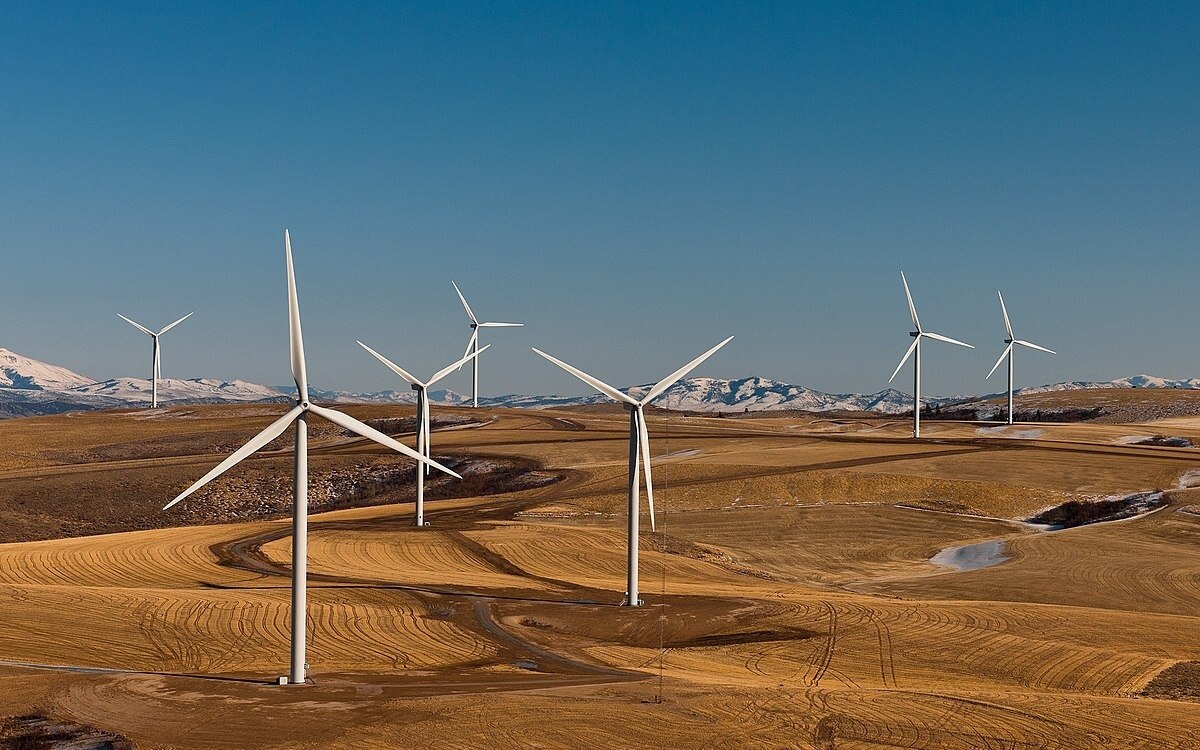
(971, 556)
(1188, 480)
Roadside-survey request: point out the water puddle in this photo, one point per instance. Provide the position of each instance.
(971, 556)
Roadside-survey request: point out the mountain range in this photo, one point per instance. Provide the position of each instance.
(30, 387)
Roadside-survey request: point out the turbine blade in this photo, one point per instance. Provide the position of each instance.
(644, 445)
(501, 325)
(390, 365)
(599, 385)
(674, 377)
(138, 326)
(273, 430)
(911, 348)
(466, 307)
(912, 309)
(357, 427)
(297, 338)
(1003, 309)
(1032, 345)
(947, 339)
(471, 344)
(167, 328)
(425, 424)
(1006, 352)
(456, 366)
(425, 429)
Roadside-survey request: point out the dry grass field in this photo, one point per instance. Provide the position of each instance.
(791, 600)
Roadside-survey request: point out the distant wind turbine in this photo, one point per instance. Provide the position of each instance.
(299, 416)
(422, 389)
(473, 342)
(639, 452)
(155, 372)
(1008, 352)
(915, 347)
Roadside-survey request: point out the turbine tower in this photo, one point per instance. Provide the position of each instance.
(155, 372)
(422, 414)
(1008, 352)
(473, 342)
(639, 452)
(299, 416)
(915, 347)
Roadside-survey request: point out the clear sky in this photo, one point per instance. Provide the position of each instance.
(633, 181)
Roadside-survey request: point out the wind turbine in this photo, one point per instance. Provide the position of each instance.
(1008, 352)
(639, 452)
(155, 372)
(299, 416)
(422, 414)
(915, 347)
(473, 342)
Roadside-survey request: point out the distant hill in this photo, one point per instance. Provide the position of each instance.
(30, 387)
(27, 374)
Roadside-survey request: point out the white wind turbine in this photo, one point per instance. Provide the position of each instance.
(299, 416)
(1008, 352)
(915, 347)
(155, 371)
(639, 452)
(473, 342)
(422, 414)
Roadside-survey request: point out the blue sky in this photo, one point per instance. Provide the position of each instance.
(633, 181)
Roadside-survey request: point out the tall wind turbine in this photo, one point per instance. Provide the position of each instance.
(155, 372)
(1008, 352)
(915, 347)
(639, 452)
(473, 342)
(299, 416)
(422, 414)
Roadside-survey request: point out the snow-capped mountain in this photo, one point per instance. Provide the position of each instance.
(29, 387)
(1137, 381)
(25, 373)
(694, 394)
(762, 394)
(174, 390)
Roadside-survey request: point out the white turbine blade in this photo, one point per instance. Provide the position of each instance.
(456, 366)
(644, 445)
(1003, 309)
(357, 427)
(911, 347)
(674, 377)
(1032, 345)
(274, 430)
(138, 326)
(425, 429)
(912, 309)
(947, 339)
(425, 424)
(599, 385)
(1006, 352)
(501, 325)
(471, 343)
(466, 307)
(167, 328)
(297, 338)
(390, 364)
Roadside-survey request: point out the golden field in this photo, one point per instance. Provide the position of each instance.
(791, 601)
